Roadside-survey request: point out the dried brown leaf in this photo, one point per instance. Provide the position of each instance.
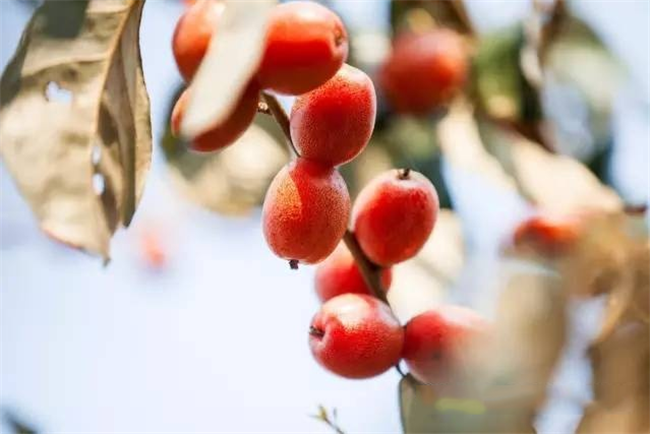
(228, 66)
(74, 104)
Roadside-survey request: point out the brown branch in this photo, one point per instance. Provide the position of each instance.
(276, 110)
(458, 6)
(369, 271)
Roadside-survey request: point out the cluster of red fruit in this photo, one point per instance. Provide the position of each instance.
(306, 44)
(307, 207)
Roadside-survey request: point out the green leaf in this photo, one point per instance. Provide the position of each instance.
(74, 106)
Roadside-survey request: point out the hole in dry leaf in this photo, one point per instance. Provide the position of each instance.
(96, 155)
(55, 93)
(98, 183)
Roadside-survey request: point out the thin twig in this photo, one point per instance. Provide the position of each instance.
(369, 271)
(281, 118)
(459, 9)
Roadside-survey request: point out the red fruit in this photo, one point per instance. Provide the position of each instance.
(339, 274)
(356, 336)
(548, 235)
(333, 123)
(225, 133)
(306, 211)
(437, 342)
(424, 71)
(193, 33)
(306, 44)
(394, 216)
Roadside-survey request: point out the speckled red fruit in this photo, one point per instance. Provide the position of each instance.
(192, 35)
(306, 211)
(333, 123)
(438, 341)
(548, 235)
(356, 336)
(339, 274)
(227, 132)
(306, 44)
(424, 71)
(394, 215)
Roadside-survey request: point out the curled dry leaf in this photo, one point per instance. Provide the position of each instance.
(74, 112)
(620, 354)
(234, 180)
(228, 66)
(423, 281)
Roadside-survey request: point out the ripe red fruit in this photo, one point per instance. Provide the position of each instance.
(333, 123)
(339, 274)
(394, 216)
(424, 71)
(306, 211)
(356, 336)
(227, 132)
(193, 33)
(548, 235)
(438, 343)
(306, 44)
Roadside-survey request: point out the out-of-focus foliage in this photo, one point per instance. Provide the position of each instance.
(507, 377)
(234, 180)
(74, 111)
(423, 282)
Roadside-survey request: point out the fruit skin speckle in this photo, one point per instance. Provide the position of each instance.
(333, 123)
(394, 216)
(306, 44)
(356, 336)
(306, 211)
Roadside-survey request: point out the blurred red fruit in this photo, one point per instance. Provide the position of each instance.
(547, 235)
(193, 33)
(306, 44)
(437, 341)
(339, 274)
(227, 132)
(333, 123)
(356, 336)
(306, 211)
(424, 71)
(394, 215)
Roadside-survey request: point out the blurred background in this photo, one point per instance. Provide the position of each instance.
(195, 326)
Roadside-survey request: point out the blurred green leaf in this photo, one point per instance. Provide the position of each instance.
(498, 82)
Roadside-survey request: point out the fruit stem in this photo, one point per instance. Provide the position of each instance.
(404, 173)
(369, 271)
(318, 333)
(281, 118)
(293, 264)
